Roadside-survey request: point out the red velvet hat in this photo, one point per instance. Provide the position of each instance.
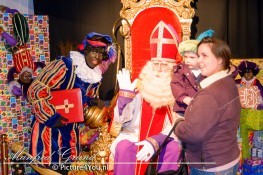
(164, 43)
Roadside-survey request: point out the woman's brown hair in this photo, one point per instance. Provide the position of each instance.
(220, 49)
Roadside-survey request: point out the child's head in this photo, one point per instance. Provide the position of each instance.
(188, 50)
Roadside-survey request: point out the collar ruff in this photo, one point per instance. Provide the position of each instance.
(248, 83)
(85, 73)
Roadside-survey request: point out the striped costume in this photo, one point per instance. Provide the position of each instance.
(57, 144)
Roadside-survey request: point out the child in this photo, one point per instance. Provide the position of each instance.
(187, 75)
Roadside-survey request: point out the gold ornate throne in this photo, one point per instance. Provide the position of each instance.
(140, 18)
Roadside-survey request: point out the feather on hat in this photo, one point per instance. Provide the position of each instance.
(204, 34)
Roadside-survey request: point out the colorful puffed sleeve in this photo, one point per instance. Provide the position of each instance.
(51, 77)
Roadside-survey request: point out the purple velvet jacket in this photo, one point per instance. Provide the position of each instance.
(211, 123)
(183, 84)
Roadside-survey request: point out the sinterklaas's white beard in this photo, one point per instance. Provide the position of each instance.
(155, 87)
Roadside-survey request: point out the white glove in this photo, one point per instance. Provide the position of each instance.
(146, 152)
(124, 80)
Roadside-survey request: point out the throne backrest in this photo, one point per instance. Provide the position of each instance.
(142, 16)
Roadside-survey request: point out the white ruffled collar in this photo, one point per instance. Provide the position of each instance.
(85, 73)
(248, 82)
